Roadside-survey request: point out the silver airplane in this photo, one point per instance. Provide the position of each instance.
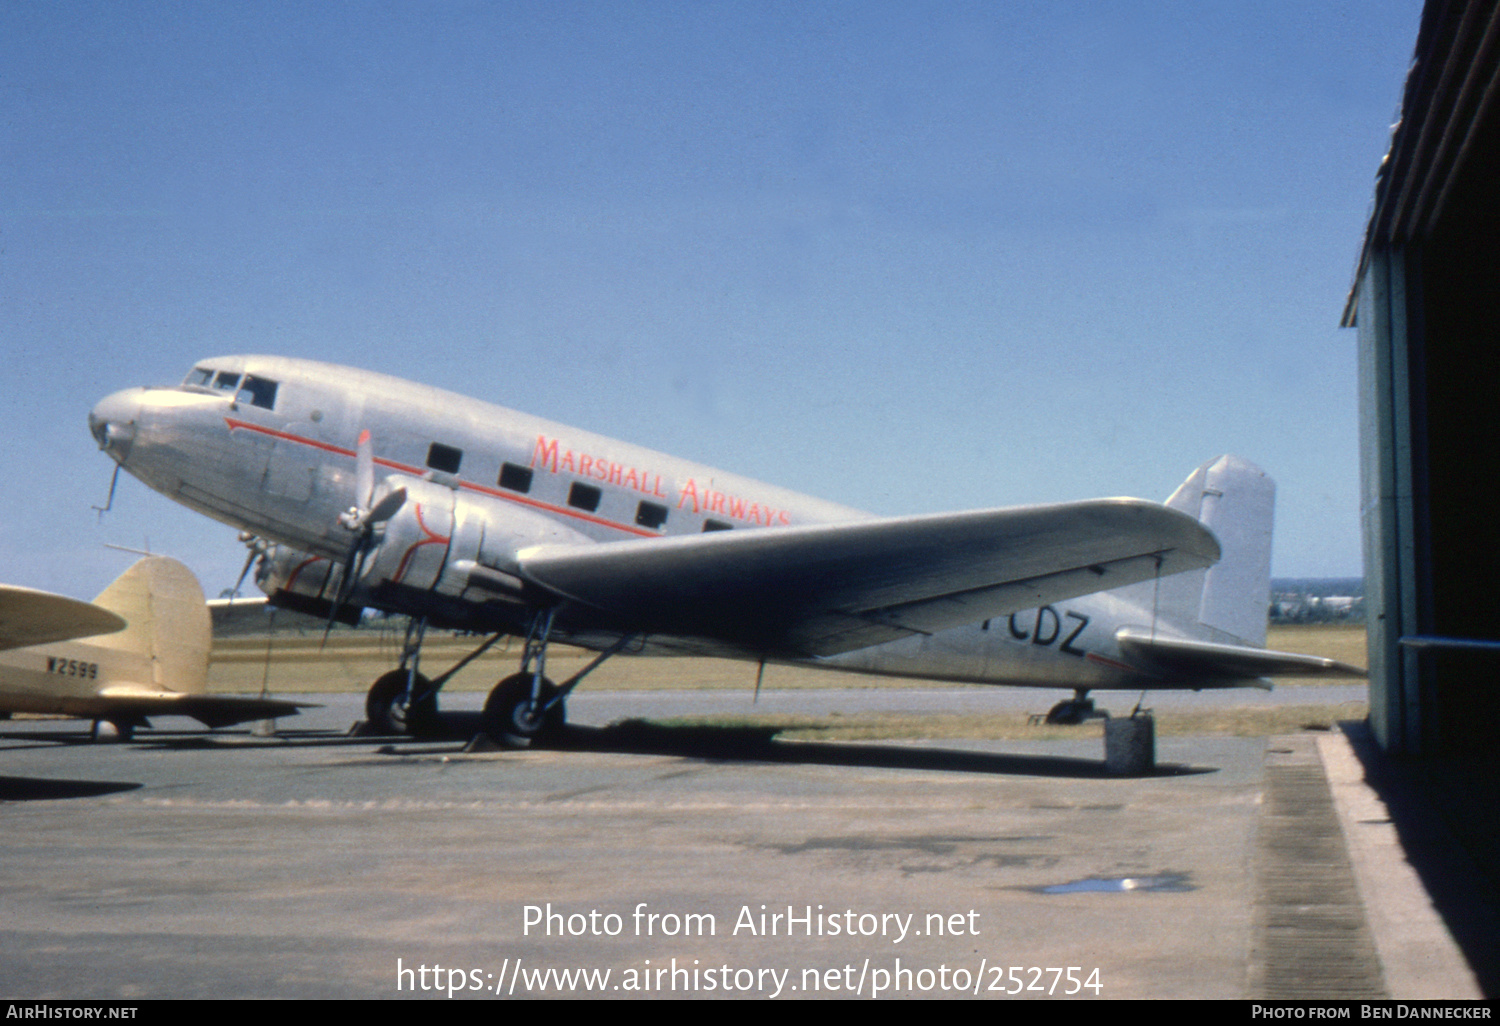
(357, 490)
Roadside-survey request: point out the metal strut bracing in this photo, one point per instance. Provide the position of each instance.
(442, 678)
(534, 654)
(534, 658)
(411, 655)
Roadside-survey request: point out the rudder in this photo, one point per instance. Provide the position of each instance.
(167, 622)
(1228, 601)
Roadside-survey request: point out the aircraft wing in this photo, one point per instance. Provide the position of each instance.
(212, 711)
(30, 617)
(830, 588)
(1207, 664)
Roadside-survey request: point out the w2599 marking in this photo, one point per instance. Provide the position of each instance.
(72, 668)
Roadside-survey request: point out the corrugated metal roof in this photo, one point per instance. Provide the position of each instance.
(1453, 85)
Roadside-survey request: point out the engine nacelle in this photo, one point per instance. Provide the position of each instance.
(442, 542)
(300, 581)
(410, 548)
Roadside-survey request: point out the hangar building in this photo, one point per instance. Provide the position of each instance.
(1426, 302)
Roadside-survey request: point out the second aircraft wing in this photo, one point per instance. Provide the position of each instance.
(830, 588)
(29, 617)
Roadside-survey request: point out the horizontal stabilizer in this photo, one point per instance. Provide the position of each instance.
(30, 617)
(830, 588)
(1211, 665)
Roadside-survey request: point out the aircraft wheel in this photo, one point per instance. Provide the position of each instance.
(388, 714)
(508, 716)
(1073, 712)
(106, 730)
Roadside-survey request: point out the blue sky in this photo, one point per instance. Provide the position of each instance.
(907, 256)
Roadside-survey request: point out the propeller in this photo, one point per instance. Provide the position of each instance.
(257, 547)
(362, 518)
(358, 515)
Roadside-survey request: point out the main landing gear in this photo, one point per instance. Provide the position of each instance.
(522, 708)
(404, 701)
(1129, 741)
(526, 706)
(1072, 711)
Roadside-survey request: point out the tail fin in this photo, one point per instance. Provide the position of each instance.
(1227, 602)
(167, 623)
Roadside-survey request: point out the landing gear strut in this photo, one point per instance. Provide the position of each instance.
(523, 707)
(389, 708)
(515, 718)
(526, 706)
(403, 701)
(1072, 711)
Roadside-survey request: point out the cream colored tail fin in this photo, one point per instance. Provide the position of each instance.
(167, 621)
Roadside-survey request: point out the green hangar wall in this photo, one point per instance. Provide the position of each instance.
(1426, 302)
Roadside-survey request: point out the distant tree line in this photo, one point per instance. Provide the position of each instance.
(1317, 600)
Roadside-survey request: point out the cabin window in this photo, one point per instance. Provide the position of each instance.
(226, 381)
(717, 525)
(651, 514)
(444, 458)
(516, 478)
(582, 496)
(257, 392)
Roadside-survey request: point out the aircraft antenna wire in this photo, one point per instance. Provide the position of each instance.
(1155, 596)
(265, 680)
(109, 503)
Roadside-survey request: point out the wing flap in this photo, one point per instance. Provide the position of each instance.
(1214, 664)
(824, 589)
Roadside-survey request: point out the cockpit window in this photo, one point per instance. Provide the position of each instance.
(245, 388)
(257, 392)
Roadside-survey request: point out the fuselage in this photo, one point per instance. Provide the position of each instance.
(70, 678)
(269, 445)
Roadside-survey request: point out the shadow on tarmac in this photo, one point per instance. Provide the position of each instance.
(760, 744)
(1448, 819)
(644, 737)
(41, 789)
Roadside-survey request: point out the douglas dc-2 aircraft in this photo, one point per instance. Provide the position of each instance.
(139, 650)
(361, 490)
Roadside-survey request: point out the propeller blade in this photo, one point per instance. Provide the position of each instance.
(386, 507)
(353, 564)
(244, 571)
(364, 470)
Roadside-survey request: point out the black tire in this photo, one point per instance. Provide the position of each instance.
(386, 713)
(507, 713)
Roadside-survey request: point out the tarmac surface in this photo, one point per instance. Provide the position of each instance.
(640, 860)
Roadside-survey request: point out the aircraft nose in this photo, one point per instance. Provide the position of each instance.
(112, 422)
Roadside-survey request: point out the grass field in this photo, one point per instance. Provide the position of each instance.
(349, 663)
(1343, 642)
